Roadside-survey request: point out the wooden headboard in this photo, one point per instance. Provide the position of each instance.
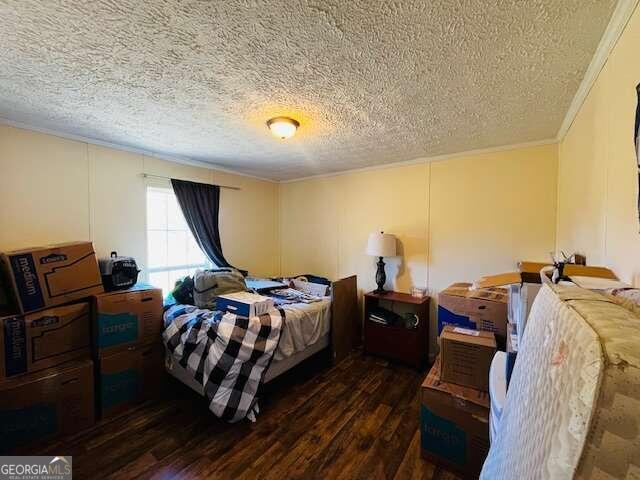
(345, 320)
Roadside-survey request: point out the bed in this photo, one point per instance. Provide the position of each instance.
(297, 332)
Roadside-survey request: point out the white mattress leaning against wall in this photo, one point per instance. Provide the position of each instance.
(573, 405)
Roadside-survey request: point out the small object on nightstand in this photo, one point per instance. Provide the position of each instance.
(418, 292)
(381, 245)
(404, 339)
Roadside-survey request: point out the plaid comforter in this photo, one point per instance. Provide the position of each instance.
(227, 354)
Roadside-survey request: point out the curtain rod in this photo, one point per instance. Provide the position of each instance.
(148, 175)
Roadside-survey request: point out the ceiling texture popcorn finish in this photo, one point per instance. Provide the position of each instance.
(371, 82)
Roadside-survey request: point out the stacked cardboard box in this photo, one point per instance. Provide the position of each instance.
(46, 372)
(472, 323)
(454, 424)
(523, 286)
(44, 339)
(127, 348)
(45, 404)
(455, 404)
(44, 277)
(466, 356)
(460, 305)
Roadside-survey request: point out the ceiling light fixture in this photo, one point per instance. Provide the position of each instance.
(283, 127)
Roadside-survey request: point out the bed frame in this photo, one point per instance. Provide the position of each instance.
(345, 324)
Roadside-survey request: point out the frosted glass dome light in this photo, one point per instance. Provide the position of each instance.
(283, 127)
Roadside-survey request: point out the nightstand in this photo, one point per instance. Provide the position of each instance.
(396, 341)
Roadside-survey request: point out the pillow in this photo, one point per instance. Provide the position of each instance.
(316, 279)
(208, 284)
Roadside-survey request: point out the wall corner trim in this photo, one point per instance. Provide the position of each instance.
(619, 19)
(426, 159)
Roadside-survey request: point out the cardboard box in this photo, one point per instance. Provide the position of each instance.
(44, 277)
(129, 377)
(57, 401)
(466, 356)
(245, 304)
(482, 309)
(127, 317)
(525, 284)
(529, 272)
(44, 339)
(454, 424)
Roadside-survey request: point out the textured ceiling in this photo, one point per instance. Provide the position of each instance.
(371, 82)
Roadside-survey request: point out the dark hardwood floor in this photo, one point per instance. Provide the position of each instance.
(358, 419)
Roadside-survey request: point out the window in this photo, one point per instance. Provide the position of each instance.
(172, 252)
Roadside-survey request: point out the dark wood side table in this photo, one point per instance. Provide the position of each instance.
(397, 342)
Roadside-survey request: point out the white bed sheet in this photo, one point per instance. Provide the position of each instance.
(304, 325)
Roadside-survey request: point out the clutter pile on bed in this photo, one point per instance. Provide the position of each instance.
(217, 345)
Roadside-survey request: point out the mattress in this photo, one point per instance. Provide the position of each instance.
(573, 405)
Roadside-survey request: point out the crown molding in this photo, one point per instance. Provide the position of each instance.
(170, 158)
(619, 19)
(433, 159)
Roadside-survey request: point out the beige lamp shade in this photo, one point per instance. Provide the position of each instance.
(381, 245)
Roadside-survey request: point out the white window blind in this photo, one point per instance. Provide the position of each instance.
(171, 249)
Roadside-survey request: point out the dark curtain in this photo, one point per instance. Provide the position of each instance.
(636, 142)
(200, 204)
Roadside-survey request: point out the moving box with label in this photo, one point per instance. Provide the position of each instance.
(127, 317)
(44, 404)
(44, 339)
(129, 377)
(454, 424)
(466, 356)
(44, 277)
(477, 309)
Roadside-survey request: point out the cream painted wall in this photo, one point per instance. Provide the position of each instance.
(309, 228)
(325, 223)
(44, 189)
(490, 211)
(597, 181)
(455, 220)
(55, 190)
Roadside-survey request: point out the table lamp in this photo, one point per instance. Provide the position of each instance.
(381, 245)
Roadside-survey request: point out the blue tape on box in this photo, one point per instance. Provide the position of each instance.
(27, 283)
(447, 317)
(19, 426)
(118, 388)
(117, 329)
(442, 437)
(15, 346)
